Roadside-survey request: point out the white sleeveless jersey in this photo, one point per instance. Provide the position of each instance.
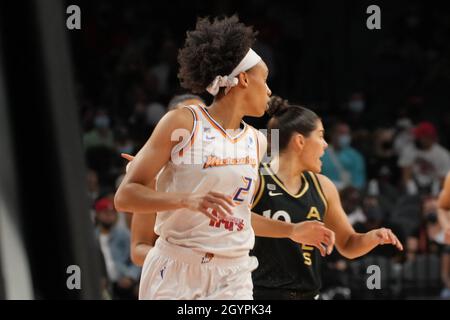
(211, 160)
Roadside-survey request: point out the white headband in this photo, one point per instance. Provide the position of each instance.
(229, 81)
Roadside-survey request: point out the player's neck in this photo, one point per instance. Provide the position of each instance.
(226, 112)
(289, 172)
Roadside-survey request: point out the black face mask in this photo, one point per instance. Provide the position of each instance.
(419, 145)
(106, 225)
(432, 218)
(386, 145)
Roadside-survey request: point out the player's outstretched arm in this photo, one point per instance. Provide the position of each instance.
(348, 242)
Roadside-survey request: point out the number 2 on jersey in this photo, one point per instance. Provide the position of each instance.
(240, 193)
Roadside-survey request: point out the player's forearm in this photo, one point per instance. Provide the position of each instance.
(139, 252)
(358, 244)
(136, 198)
(265, 227)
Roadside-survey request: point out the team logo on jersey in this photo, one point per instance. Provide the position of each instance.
(213, 161)
(162, 272)
(271, 186)
(273, 194)
(229, 224)
(250, 142)
(207, 135)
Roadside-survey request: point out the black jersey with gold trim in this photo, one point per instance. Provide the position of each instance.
(283, 263)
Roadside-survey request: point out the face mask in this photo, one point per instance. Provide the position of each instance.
(432, 218)
(419, 145)
(101, 122)
(386, 145)
(345, 140)
(106, 225)
(356, 106)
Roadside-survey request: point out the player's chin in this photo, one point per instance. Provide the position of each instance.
(262, 111)
(317, 168)
(258, 112)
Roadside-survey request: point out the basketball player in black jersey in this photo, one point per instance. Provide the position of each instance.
(291, 189)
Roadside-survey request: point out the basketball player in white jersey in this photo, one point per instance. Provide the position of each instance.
(143, 236)
(204, 193)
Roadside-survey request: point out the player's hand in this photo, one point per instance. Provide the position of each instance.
(314, 233)
(214, 205)
(127, 156)
(385, 236)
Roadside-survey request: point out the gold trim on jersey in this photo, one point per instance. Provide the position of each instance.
(221, 130)
(262, 183)
(305, 184)
(319, 190)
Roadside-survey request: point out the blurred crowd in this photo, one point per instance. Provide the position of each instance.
(388, 134)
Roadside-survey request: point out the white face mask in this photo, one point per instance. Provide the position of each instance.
(357, 106)
(101, 122)
(345, 140)
(439, 238)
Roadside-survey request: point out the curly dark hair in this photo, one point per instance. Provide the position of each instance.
(212, 49)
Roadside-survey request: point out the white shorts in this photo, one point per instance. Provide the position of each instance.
(174, 272)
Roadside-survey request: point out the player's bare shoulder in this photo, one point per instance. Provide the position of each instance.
(326, 184)
(181, 118)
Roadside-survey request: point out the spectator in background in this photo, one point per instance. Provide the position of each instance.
(166, 69)
(384, 172)
(344, 165)
(115, 246)
(356, 107)
(352, 204)
(101, 135)
(363, 211)
(425, 163)
(123, 142)
(428, 236)
(403, 134)
(384, 160)
(154, 112)
(181, 100)
(93, 187)
(137, 121)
